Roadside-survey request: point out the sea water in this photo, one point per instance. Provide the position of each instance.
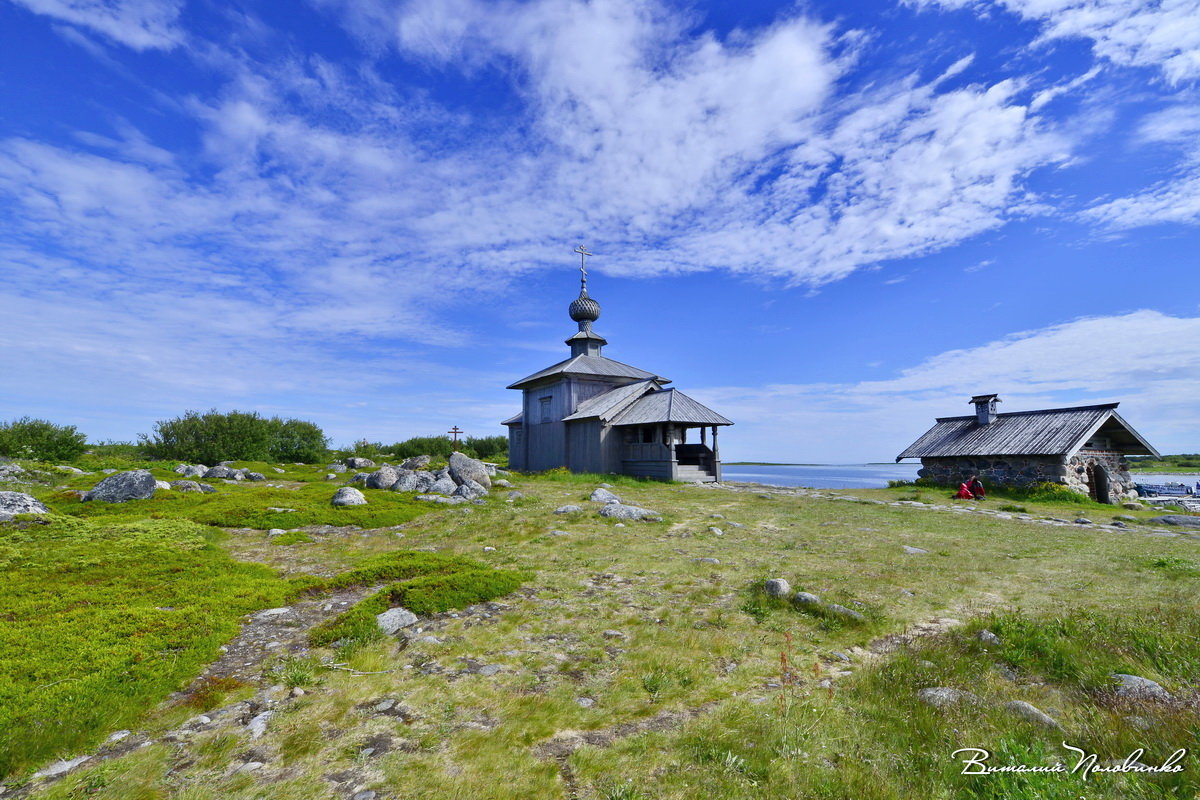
(821, 476)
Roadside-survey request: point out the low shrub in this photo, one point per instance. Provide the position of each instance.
(40, 440)
(235, 436)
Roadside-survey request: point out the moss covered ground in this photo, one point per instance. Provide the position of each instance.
(644, 661)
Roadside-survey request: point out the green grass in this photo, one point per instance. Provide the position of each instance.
(101, 619)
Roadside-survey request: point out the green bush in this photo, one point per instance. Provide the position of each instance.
(40, 440)
(423, 446)
(488, 447)
(235, 436)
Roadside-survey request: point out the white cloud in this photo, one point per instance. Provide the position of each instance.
(140, 24)
(1147, 361)
(1163, 34)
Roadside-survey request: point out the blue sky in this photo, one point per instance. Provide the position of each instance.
(830, 221)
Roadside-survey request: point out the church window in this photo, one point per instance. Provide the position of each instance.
(545, 404)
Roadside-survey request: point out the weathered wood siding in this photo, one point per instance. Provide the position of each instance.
(659, 470)
(545, 442)
(516, 447)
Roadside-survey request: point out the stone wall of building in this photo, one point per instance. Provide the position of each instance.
(1113, 462)
(1028, 470)
(1001, 470)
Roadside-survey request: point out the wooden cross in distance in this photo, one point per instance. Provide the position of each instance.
(455, 432)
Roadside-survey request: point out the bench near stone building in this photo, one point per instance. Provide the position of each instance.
(1083, 448)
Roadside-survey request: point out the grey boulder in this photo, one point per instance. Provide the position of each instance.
(136, 484)
(394, 619)
(349, 496)
(12, 503)
(406, 481)
(191, 470)
(255, 476)
(469, 490)
(338, 468)
(13, 472)
(1182, 520)
(464, 468)
(1133, 687)
(185, 486)
(622, 511)
(567, 509)
(382, 478)
(806, 599)
(443, 486)
(219, 472)
(416, 463)
(359, 463)
(777, 587)
(603, 495)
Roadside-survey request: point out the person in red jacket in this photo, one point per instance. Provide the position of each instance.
(964, 491)
(976, 487)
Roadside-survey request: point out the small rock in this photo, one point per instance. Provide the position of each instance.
(255, 476)
(585, 702)
(567, 509)
(359, 463)
(622, 511)
(185, 486)
(945, 697)
(162, 485)
(1134, 687)
(1031, 713)
(276, 532)
(331, 476)
(777, 587)
(715, 531)
(349, 496)
(1131, 506)
(392, 620)
(367, 795)
(806, 599)
(338, 468)
(988, 638)
(118, 736)
(514, 495)
(1181, 520)
(560, 533)
(603, 495)
(612, 634)
(219, 471)
(191, 471)
(280, 471)
(61, 767)
(416, 462)
(258, 725)
(251, 766)
(489, 549)
(502, 484)
(915, 551)
(1082, 521)
(489, 670)
(707, 560)
(842, 611)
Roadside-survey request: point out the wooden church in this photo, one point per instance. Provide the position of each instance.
(590, 413)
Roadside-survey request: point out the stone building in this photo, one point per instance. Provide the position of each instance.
(1083, 448)
(590, 413)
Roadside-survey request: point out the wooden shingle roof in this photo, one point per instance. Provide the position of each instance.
(590, 365)
(669, 405)
(1049, 432)
(608, 405)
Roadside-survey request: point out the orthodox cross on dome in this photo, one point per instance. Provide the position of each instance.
(583, 256)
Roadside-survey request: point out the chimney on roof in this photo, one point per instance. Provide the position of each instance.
(985, 408)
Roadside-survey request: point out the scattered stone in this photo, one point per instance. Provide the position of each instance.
(219, 471)
(603, 495)
(488, 670)
(716, 516)
(915, 551)
(840, 656)
(415, 463)
(191, 471)
(429, 640)
(715, 531)
(1083, 521)
(1125, 518)
(162, 485)
(276, 532)
(207, 489)
(778, 587)
(349, 496)
(276, 508)
(13, 503)
(279, 470)
(406, 481)
(1031, 713)
(255, 476)
(394, 619)
(1181, 520)
(1133, 687)
(251, 766)
(338, 468)
(359, 463)
(806, 599)
(513, 495)
(13, 473)
(501, 483)
(437, 498)
(567, 509)
(331, 476)
(73, 470)
(622, 511)
(613, 634)
(136, 484)
(842, 611)
(464, 468)
(118, 736)
(1131, 506)
(359, 477)
(258, 725)
(707, 560)
(560, 533)
(489, 549)
(945, 697)
(988, 638)
(585, 702)
(61, 767)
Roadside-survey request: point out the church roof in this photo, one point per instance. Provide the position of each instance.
(1049, 432)
(611, 403)
(590, 365)
(668, 405)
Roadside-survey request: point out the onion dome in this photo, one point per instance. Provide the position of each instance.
(584, 308)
